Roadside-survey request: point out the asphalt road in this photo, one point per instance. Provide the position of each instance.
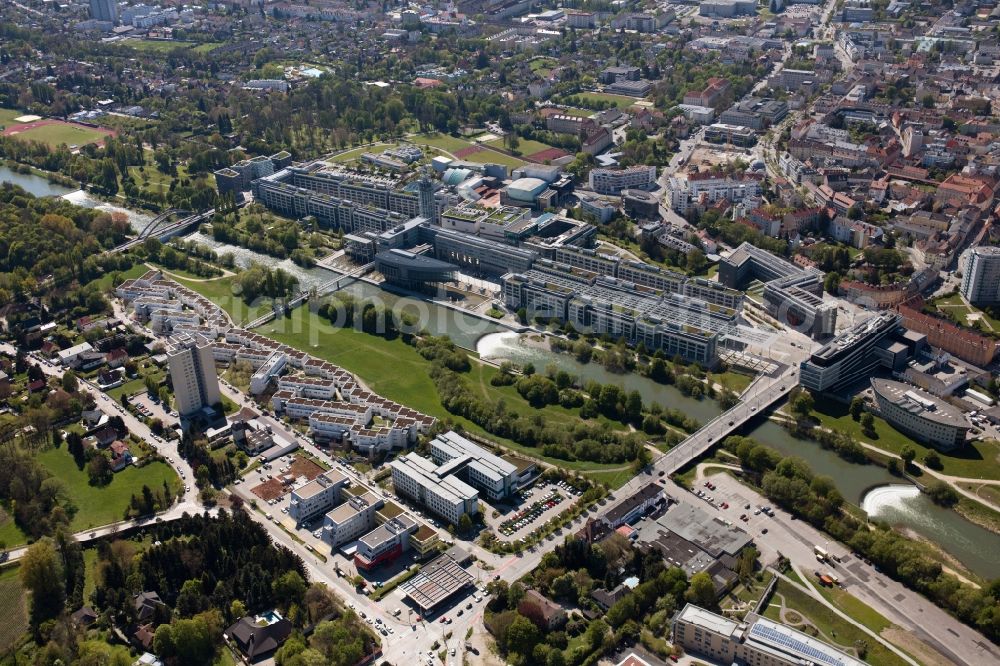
(796, 540)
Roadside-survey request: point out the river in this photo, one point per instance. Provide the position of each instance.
(869, 486)
(41, 187)
(462, 328)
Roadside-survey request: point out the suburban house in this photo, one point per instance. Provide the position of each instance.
(545, 613)
(257, 640)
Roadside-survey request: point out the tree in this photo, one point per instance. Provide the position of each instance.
(857, 407)
(70, 383)
(933, 460)
(802, 404)
(99, 470)
(42, 573)
(868, 424)
(701, 590)
(907, 455)
(192, 641)
(289, 587)
(942, 493)
(522, 636)
(465, 524)
(831, 283)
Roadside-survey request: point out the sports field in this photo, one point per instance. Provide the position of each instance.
(621, 101)
(56, 132)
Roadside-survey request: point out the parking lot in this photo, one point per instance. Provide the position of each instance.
(152, 409)
(534, 507)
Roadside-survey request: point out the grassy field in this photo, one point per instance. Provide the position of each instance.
(161, 46)
(13, 608)
(7, 116)
(54, 135)
(493, 157)
(621, 101)
(954, 305)
(395, 370)
(980, 460)
(220, 292)
(579, 113)
(108, 281)
(206, 47)
(830, 624)
(10, 533)
(100, 506)
(524, 146)
(733, 380)
(445, 142)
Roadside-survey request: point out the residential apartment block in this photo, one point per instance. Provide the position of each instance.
(613, 181)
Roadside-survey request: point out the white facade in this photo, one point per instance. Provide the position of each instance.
(272, 367)
(316, 496)
(192, 373)
(613, 181)
(981, 275)
(416, 477)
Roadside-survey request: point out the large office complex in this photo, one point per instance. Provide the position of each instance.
(481, 469)
(755, 113)
(856, 353)
(756, 640)
(920, 415)
(316, 496)
(239, 176)
(441, 492)
(981, 275)
(675, 324)
(192, 373)
(792, 295)
(413, 271)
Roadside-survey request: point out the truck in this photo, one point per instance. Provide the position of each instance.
(821, 553)
(832, 576)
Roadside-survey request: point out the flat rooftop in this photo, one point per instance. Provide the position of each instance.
(438, 580)
(708, 620)
(703, 530)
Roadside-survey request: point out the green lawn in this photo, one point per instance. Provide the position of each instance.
(162, 46)
(954, 305)
(100, 506)
(736, 381)
(13, 608)
(579, 113)
(445, 142)
(980, 460)
(7, 116)
(54, 135)
(621, 101)
(206, 47)
(524, 146)
(90, 573)
(830, 624)
(10, 534)
(395, 370)
(108, 281)
(220, 292)
(493, 157)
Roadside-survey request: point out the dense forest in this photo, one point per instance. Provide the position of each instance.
(51, 237)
